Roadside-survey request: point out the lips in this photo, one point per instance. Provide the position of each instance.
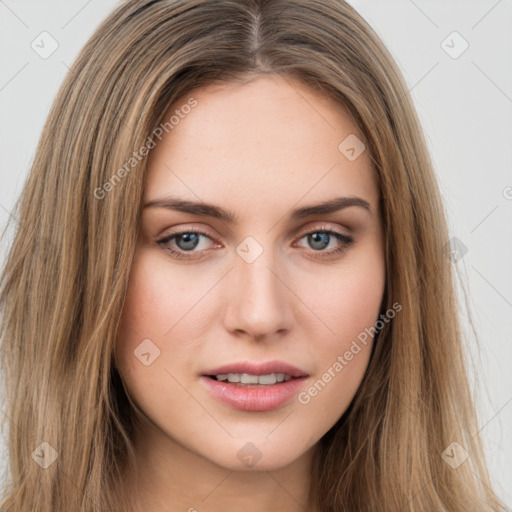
(253, 368)
(254, 397)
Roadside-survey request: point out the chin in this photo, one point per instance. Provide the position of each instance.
(257, 455)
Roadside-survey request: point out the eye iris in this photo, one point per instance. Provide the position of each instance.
(191, 240)
(319, 240)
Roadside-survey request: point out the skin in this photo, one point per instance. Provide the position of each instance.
(260, 150)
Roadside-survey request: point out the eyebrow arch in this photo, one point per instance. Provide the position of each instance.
(217, 212)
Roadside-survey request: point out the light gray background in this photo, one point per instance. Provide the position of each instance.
(465, 105)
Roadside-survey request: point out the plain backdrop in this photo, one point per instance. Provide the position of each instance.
(456, 56)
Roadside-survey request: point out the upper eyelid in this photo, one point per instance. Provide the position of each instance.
(323, 226)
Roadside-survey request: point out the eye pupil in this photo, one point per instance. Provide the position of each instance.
(319, 240)
(190, 239)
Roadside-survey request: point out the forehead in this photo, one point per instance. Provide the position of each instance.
(273, 138)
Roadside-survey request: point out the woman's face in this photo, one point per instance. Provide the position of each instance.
(240, 270)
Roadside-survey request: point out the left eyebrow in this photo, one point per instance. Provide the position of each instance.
(333, 205)
(217, 212)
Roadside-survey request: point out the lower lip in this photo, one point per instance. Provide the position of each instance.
(257, 398)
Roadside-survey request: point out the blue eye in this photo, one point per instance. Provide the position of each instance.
(319, 239)
(186, 241)
(183, 245)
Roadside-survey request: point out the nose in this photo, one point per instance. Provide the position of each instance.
(259, 302)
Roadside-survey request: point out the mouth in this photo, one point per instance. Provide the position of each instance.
(248, 380)
(252, 370)
(255, 387)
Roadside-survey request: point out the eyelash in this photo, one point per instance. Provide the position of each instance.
(346, 242)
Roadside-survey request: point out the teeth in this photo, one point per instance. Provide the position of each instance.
(267, 379)
(245, 378)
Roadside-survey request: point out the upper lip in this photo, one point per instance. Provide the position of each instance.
(253, 368)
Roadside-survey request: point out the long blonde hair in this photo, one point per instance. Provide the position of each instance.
(64, 282)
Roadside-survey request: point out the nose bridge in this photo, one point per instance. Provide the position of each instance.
(259, 302)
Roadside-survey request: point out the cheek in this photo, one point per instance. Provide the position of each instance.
(348, 307)
(347, 300)
(342, 358)
(160, 305)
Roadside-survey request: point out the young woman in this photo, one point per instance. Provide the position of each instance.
(229, 287)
